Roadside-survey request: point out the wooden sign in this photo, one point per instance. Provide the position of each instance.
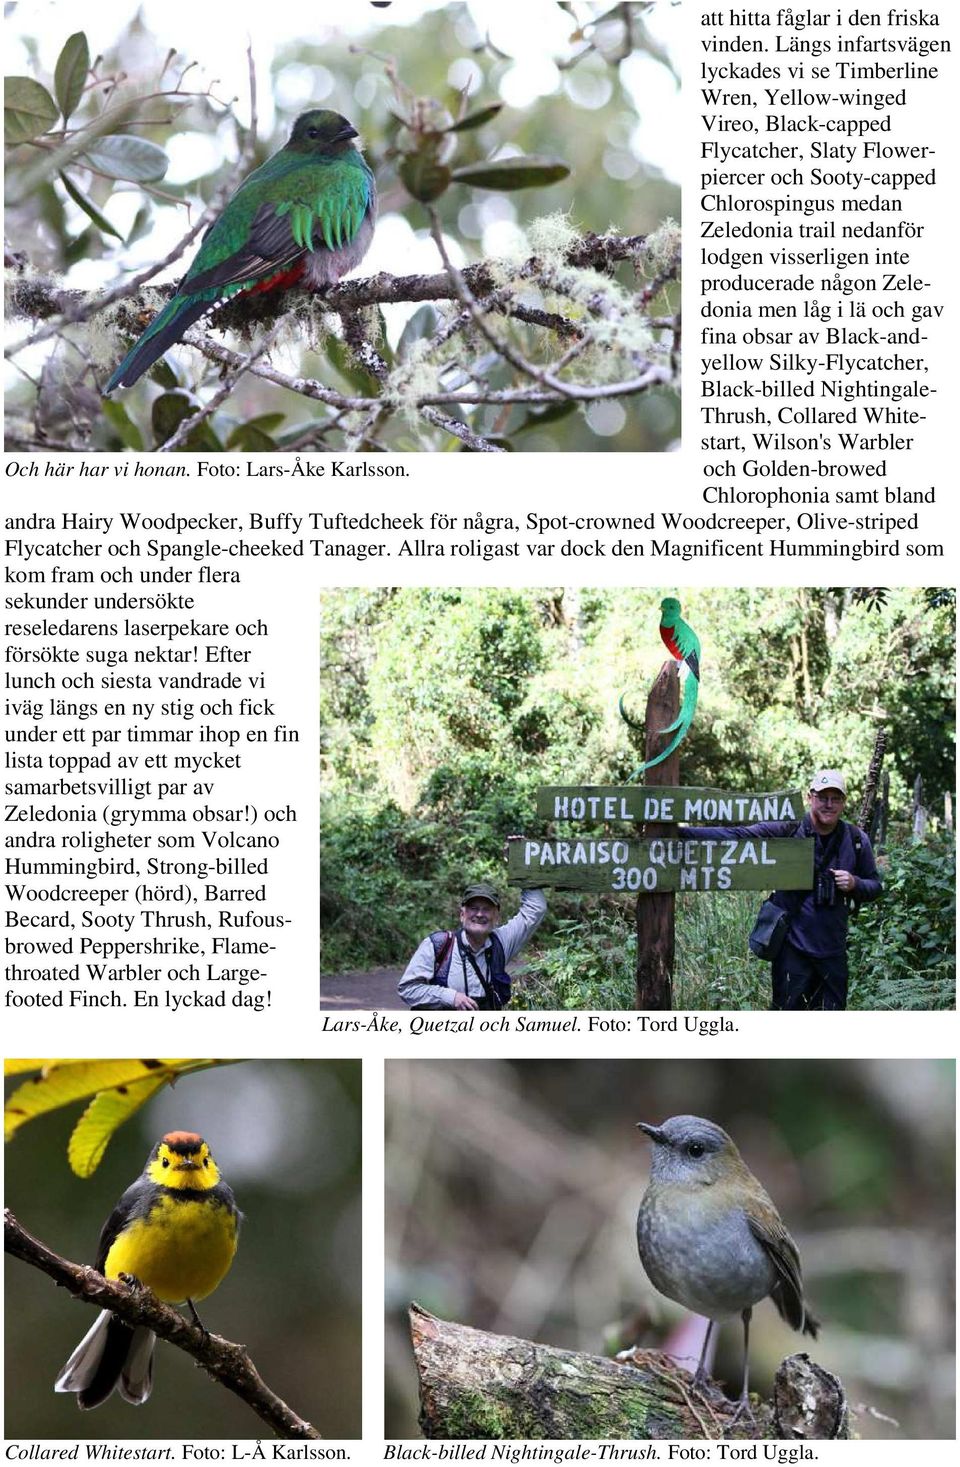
(672, 863)
(643, 803)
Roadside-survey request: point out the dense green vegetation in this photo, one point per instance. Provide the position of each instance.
(443, 710)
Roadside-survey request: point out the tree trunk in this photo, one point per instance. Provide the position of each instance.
(884, 809)
(873, 778)
(919, 810)
(655, 910)
(479, 1385)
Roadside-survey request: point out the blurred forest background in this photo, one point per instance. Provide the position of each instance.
(443, 710)
(89, 202)
(286, 1136)
(513, 1189)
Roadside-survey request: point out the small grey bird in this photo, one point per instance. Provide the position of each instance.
(711, 1239)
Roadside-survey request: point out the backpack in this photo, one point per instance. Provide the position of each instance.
(497, 984)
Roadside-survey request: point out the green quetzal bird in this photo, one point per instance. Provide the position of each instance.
(305, 216)
(682, 642)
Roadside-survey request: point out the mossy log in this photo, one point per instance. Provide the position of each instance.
(479, 1385)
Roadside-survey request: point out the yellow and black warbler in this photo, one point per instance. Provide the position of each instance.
(175, 1230)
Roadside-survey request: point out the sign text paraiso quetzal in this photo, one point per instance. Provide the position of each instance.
(306, 215)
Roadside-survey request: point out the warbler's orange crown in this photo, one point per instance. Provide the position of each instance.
(182, 1159)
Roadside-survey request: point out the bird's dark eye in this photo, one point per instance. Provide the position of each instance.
(206, 1161)
(166, 1161)
(312, 132)
(696, 1148)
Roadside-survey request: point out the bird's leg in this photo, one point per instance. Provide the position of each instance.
(196, 1318)
(745, 1389)
(743, 1405)
(701, 1378)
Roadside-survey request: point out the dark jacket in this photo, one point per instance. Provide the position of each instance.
(820, 931)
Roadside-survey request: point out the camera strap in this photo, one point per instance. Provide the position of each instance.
(467, 956)
(827, 850)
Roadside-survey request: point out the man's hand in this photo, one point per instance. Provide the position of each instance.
(846, 881)
(464, 1001)
(506, 845)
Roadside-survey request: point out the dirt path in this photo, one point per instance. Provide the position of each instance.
(376, 989)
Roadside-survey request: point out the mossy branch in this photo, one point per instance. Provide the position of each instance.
(40, 297)
(225, 1362)
(474, 1384)
(586, 337)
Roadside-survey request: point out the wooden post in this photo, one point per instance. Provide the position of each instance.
(655, 910)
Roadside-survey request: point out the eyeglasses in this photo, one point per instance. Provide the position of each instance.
(823, 798)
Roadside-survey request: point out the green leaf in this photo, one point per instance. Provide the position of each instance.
(422, 323)
(141, 225)
(248, 439)
(118, 1087)
(169, 411)
(89, 208)
(81, 247)
(133, 159)
(163, 374)
(73, 63)
(103, 1116)
(508, 173)
(49, 207)
(62, 1081)
(254, 436)
(424, 178)
(122, 424)
(28, 110)
(476, 119)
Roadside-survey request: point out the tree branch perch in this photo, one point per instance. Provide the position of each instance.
(40, 297)
(564, 316)
(225, 1362)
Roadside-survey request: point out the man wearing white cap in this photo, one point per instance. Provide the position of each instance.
(810, 970)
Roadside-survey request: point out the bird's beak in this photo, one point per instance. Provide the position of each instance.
(654, 1132)
(346, 132)
(188, 1166)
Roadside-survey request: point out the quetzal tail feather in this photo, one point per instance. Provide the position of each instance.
(164, 331)
(681, 724)
(626, 717)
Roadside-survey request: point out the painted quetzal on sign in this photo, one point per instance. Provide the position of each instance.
(682, 642)
(305, 216)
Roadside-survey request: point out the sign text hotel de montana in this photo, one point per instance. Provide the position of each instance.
(673, 862)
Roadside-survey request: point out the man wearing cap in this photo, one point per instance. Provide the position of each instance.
(467, 968)
(810, 970)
